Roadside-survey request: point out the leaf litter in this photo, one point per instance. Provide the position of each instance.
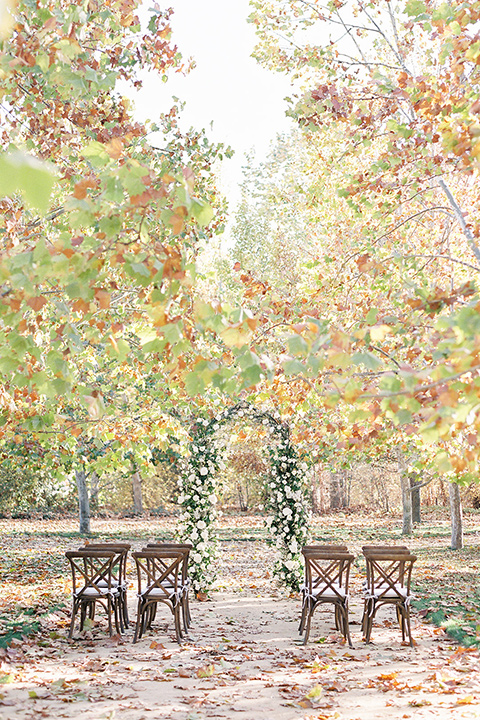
(243, 657)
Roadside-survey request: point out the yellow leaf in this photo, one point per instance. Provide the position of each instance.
(315, 692)
(379, 332)
(235, 336)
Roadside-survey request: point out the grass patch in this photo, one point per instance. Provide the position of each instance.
(459, 620)
(17, 627)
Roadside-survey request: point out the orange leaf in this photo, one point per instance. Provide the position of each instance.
(80, 190)
(115, 148)
(177, 222)
(81, 306)
(36, 303)
(103, 298)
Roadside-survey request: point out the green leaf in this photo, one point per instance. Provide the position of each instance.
(96, 153)
(252, 375)
(371, 317)
(293, 367)
(26, 174)
(367, 359)
(202, 212)
(194, 384)
(297, 345)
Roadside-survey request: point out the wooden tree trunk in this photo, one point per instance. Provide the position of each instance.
(94, 490)
(137, 493)
(416, 500)
(242, 497)
(407, 524)
(456, 516)
(338, 494)
(83, 501)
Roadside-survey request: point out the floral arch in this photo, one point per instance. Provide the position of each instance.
(286, 503)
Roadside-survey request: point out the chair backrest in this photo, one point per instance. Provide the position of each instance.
(368, 549)
(329, 548)
(119, 566)
(187, 546)
(159, 570)
(327, 572)
(389, 574)
(184, 547)
(89, 569)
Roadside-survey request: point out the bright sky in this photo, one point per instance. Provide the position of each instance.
(228, 89)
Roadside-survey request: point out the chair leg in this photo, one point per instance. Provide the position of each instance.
(302, 618)
(152, 612)
(187, 608)
(366, 605)
(72, 622)
(83, 614)
(401, 621)
(346, 625)
(409, 627)
(126, 620)
(146, 618)
(118, 616)
(110, 609)
(338, 618)
(178, 621)
(371, 614)
(308, 623)
(137, 634)
(185, 615)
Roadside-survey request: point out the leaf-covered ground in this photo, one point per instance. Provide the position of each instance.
(243, 658)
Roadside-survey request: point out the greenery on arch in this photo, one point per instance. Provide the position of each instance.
(288, 514)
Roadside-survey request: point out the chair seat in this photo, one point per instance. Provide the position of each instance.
(91, 592)
(159, 594)
(386, 591)
(328, 592)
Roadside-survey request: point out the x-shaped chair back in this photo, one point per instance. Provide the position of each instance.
(119, 563)
(92, 572)
(184, 547)
(327, 573)
(159, 572)
(389, 574)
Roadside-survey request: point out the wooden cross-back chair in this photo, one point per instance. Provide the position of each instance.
(185, 548)
(388, 583)
(93, 582)
(119, 572)
(327, 574)
(159, 575)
